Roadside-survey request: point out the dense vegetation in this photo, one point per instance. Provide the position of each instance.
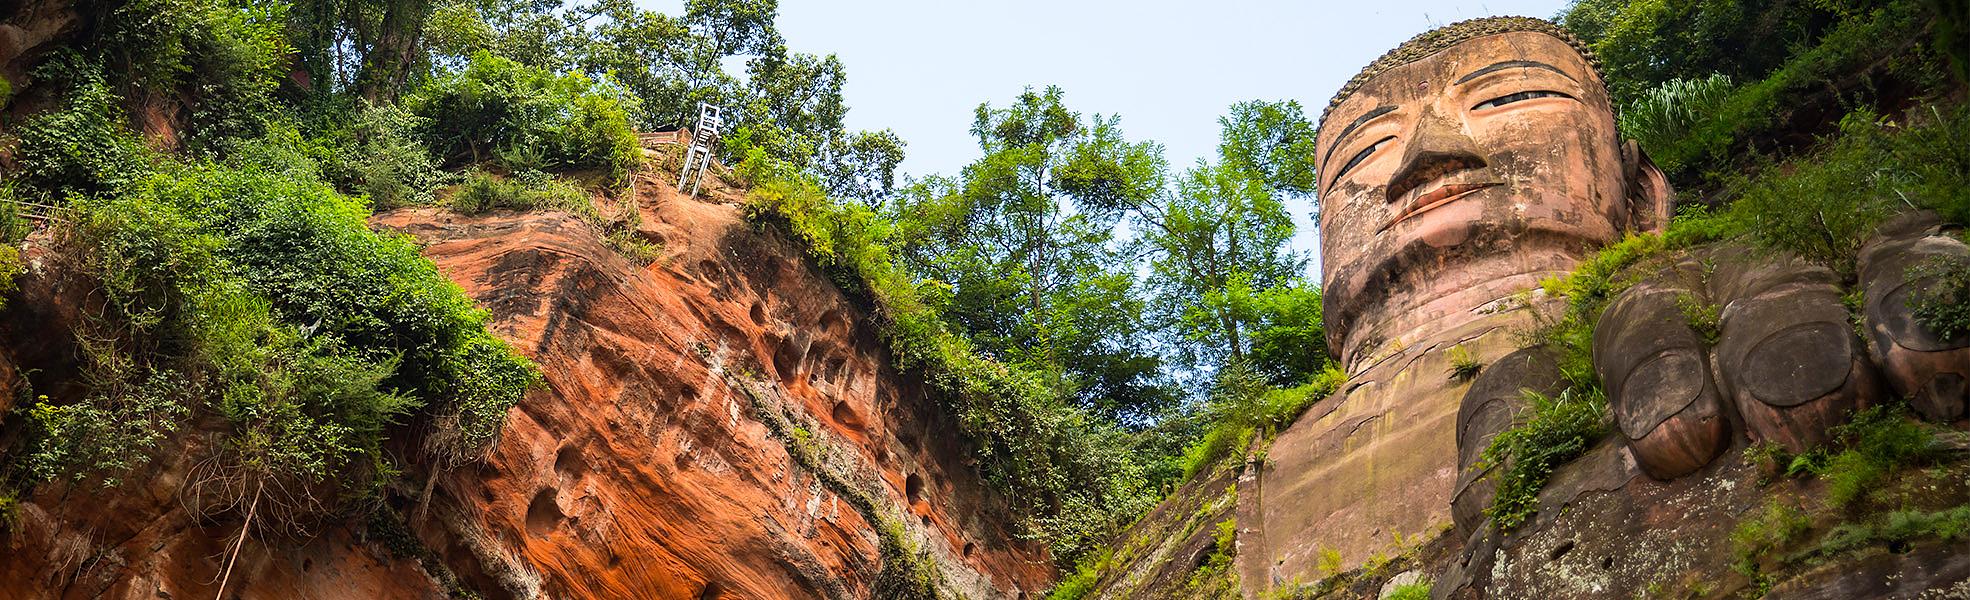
(210, 165)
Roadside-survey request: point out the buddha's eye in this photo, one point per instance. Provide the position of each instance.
(1361, 156)
(1510, 98)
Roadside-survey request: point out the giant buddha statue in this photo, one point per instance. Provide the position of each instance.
(1456, 172)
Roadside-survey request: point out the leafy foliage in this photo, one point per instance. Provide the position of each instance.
(1071, 473)
(1824, 206)
(527, 118)
(1025, 242)
(1559, 429)
(1773, 528)
(1942, 303)
(81, 148)
(1797, 61)
(1668, 114)
(1244, 405)
(1876, 443)
(266, 300)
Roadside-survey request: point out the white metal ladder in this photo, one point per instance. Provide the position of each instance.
(703, 137)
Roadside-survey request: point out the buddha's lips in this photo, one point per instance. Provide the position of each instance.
(1437, 197)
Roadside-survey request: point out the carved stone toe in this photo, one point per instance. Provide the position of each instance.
(1790, 360)
(1665, 401)
(1931, 372)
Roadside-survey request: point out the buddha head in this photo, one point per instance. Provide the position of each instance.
(1459, 169)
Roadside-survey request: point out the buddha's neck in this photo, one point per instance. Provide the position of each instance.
(1396, 332)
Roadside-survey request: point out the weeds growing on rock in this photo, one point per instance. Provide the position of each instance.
(1463, 366)
(1941, 303)
(1559, 429)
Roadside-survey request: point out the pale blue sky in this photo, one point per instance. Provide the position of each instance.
(1168, 68)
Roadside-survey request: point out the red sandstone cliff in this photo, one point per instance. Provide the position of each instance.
(724, 423)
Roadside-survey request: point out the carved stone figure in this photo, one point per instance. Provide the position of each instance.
(1454, 173)
(1462, 167)
(1457, 171)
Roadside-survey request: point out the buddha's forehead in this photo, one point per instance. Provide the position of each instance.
(1434, 75)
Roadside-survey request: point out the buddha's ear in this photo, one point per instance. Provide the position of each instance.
(1650, 199)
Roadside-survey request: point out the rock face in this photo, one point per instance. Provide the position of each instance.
(665, 459)
(722, 423)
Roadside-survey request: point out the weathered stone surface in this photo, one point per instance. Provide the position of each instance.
(1658, 381)
(1455, 206)
(657, 461)
(1788, 356)
(1371, 464)
(1933, 373)
(650, 467)
(1494, 402)
(1436, 215)
(1931, 571)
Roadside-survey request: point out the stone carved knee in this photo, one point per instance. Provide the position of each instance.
(1665, 402)
(1931, 372)
(1495, 401)
(1787, 353)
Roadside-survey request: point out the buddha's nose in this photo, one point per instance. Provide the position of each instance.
(1437, 147)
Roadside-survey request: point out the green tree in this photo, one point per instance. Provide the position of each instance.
(862, 166)
(1219, 241)
(1273, 140)
(1024, 240)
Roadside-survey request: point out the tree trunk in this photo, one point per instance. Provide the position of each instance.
(387, 65)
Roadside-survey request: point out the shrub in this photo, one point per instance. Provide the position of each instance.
(266, 300)
(1666, 115)
(1244, 405)
(220, 59)
(1559, 429)
(1071, 474)
(1463, 366)
(528, 118)
(1419, 590)
(1942, 303)
(1078, 584)
(385, 160)
(1824, 206)
(533, 190)
(81, 148)
(1793, 59)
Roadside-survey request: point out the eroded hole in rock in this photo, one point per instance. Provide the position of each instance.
(913, 489)
(569, 463)
(759, 313)
(829, 320)
(845, 416)
(713, 591)
(1607, 562)
(835, 366)
(543, 514)
(1560, 550)
(969, 548)
(307, 565)
(926, 521)
(786, 360)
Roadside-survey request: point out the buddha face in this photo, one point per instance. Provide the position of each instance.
(1495, 159)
